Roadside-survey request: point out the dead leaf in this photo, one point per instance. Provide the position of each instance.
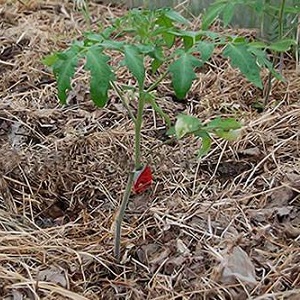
(236, 264)
(173, 264)
(55, 275)
(251, 151)
(294, 179)
(290, 230)
(182, 248)
(17, 295)
(281, 197)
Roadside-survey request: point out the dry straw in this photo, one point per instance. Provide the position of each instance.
(63, 172)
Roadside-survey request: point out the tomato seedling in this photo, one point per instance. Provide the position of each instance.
(157, 42)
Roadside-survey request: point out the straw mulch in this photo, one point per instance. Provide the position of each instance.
(224, 227)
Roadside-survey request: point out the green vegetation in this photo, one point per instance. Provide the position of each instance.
(160, 43)
(278, 28)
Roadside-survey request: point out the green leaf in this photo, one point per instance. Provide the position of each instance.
(171, 131)
(101, 75)
(228, 13)
(50, 60)
(212, 14)
(113, 45)
(282, 45)
(175, 16)
(107, 32)
(186, 124)
(93, 37)
(206, 49)
(258, 44)
(230, 135)
(228, 129)
(241, 58)
(64, 69)
(224, 124)
(169, 39)
(258, 6)
(183, 74)
(155, 64)
(205, 142)
(263, 61)
(135, 63)
(164, 24)
(151, 100)
(188, 42)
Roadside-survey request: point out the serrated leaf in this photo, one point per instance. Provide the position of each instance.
(186, 124)
(188, 42)
(258, 44)
(107, 32)
(206, 49)
(183, 74)
(158, 59)
(264, 62)
(224, 124)
(169, 39)
(93, 37)
(50, 60)
(135, 63)
(64, 69)
(155, 64)
(282, 45)
(230, 135)
(241, 58)
(146, 49)
(101, 75)
(212, 14)
(164, 25)
(171, 131)
(175, 16)
(205, 142)
(113, 45)
(228, 13)
(239, 39)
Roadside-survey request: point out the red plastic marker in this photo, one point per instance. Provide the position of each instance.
(142, 180)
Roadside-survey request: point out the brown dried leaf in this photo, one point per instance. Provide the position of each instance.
(182, 248)
(281, 197)
(251, 151)
(53, 274)
(236, 264)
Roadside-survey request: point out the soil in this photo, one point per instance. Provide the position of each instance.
(226, 226)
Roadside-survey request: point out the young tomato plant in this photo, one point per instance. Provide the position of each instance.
(279, 26)
(157, 42)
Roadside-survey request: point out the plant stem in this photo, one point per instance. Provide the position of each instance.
(157, 82)
(280, 35)
(121, 212)
(138, 127)
(280, 20)
(268, 90)
(137, 165)
(120, 94)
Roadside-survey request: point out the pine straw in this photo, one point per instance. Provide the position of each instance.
(63, 173)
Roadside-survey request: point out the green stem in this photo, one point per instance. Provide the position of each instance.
(138, 127)
(120, 216)
(137, 166)
(268, 89)
(157, 82)
(120, 94)
(280, 35)
(280, 20)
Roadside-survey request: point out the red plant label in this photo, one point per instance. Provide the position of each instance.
(142, 180)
